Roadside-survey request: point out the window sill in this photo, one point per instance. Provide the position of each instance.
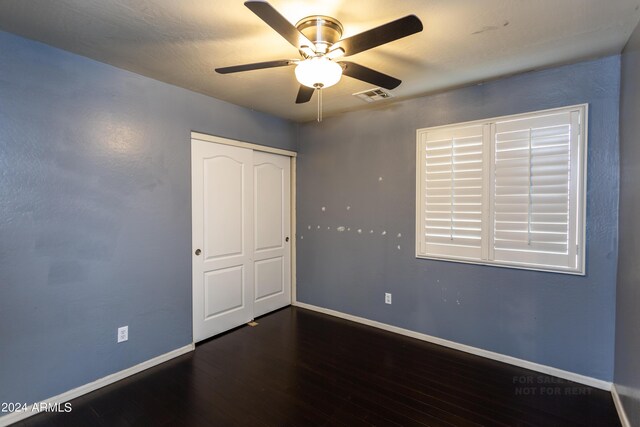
(540, 268)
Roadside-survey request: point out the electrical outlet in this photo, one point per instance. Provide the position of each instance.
(123, 334)
(387, 298)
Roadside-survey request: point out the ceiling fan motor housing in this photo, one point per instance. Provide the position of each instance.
(323, 31)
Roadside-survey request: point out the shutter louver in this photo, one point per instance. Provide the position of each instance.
(453, 191)
(532, 197)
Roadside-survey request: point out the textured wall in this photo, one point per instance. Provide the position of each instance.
(627, 364)
(95, 214)
(360, 167)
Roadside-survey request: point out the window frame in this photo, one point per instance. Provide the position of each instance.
(488, 192)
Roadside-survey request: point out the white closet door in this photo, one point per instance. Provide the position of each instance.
(271, 227)
(222, 206)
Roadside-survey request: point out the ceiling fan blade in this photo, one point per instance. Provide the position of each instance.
(335, 53)
(368, 75)
(255, 66)
(272, 18)
(386, 33)
(304, 94)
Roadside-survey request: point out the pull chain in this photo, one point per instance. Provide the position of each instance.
(319, 89)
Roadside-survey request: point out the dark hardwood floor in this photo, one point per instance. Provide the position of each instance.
(301, 368)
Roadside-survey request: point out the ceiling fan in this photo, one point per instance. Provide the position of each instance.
(318, 39)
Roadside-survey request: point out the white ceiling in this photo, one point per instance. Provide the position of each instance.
(464, 41)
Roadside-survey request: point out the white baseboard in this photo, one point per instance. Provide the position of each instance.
(624, 420)
(571, 376)
(99, 383)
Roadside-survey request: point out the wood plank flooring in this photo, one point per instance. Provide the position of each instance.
(301, 368)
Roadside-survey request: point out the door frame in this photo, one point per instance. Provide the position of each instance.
(256, 147)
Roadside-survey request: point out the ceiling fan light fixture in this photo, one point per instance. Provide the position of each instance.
(318, 72)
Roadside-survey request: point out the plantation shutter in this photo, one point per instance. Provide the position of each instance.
(535, 189)
(452, 191)
(505, 192)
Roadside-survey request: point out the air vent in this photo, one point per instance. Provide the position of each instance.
(373, 95)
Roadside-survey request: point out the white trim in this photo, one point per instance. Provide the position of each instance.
(99, 383)
(582, 191)
(510, 117)
(294, 237)
(571, 376)
(419, 246)
(624, 420)
(501, 264)
(235, 143)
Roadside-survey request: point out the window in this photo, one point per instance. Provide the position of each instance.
(508, 191)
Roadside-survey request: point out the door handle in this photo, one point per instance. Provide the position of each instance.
(286, 239)
(198, 251)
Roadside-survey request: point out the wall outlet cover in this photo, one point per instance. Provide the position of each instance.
(387, 298)
(123, 333)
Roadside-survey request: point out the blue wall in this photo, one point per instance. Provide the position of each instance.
(95, 214)
(627, 364)
(366, 161)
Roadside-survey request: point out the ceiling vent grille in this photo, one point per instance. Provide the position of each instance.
(373, 95)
